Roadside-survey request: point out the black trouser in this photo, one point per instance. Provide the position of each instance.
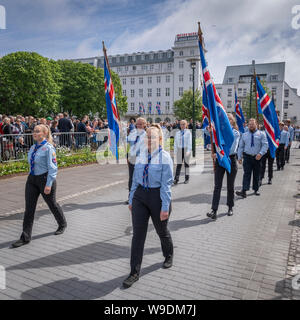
(287, 153)
(219, 175)
(280, 156)
(264, 159)
(180, 157)
(146, 204)
(34, 187)
(131, 170)
(250, 164)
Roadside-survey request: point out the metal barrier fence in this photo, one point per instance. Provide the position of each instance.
(14, 147)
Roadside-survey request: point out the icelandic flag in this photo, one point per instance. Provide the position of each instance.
(140, 108)
(158, 107)
(270, 118)
(221, 128)
(143, 108)
(149, 107)
(239, 115)
(205, 120)
(112, 112)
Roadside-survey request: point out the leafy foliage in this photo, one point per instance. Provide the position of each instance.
(183, 108)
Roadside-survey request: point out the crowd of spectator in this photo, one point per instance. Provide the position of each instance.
(71, 132)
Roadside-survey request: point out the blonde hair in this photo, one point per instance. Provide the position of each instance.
(47, 132)
(160, 132)
(142, 120)
(234, 124)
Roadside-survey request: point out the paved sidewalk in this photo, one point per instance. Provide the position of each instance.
(240, 257)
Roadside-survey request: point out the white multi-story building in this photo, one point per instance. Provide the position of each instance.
(286, 99)
(155, 77)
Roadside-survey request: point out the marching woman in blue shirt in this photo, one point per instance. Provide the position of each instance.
(41, 180)
(220, 171)
(150, 196)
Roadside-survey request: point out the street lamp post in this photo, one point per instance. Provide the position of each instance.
(193, 62)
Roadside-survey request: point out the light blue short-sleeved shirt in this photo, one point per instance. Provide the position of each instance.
(45, 161)
(160, 175)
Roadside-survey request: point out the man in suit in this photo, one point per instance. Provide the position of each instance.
(65, 126)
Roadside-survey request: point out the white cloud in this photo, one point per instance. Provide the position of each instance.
(236, 32)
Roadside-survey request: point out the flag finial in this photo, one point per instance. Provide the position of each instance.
(200, 36)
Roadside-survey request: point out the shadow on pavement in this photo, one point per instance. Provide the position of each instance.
(67, 207)
(40, 236)
(84, 289)
(94, 252)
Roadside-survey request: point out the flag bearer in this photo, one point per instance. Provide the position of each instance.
(182, 150)
(220, 171)
(283, 146)
(263, 162)
(253, 145)
(41, 180)
(150, 196)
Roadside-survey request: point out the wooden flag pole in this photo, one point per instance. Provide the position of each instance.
(200, 36)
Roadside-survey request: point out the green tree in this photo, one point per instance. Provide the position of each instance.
(183, 108)
(83, 89)
(29, 84)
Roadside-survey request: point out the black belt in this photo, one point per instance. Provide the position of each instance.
(249, 155)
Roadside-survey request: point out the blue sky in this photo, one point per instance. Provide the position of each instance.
(236, 31)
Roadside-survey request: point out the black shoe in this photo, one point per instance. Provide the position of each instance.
(282, 168)
(241, 194)
(186, 181)
(257, 193)
(126, 202)
(230, 212)
(175, 181)
(212, 214)
(127, 283)
(19, 243)
(59, 231)
(168, 262)
(270, 181)
(278, 168)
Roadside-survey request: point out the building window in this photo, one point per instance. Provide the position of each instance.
(230, 80)
(169, 65)
(180, 64)
(180, 91)
(180, 53)
(149, 80)
(141, 80)
(149, 92)
(132, 80)
(191, 77)
(244, 92)
(240, 90)
(167, 105)
(133, 68)
(158, 79)
(132, 106)
(286, 104)
(130, 59)
(167, 92)
(274, 91)
(286, 93)
(168, 78)
(229, 105)
(274, 77)
(181, 78)
(285, 115)
(158, 90)
(141, 93)
(126, 68)
(229, 93)
(124, 93)
(132, 93)
(192, 52)
(124, 81)
(151, 67)
(144, 67)
(119, 69)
